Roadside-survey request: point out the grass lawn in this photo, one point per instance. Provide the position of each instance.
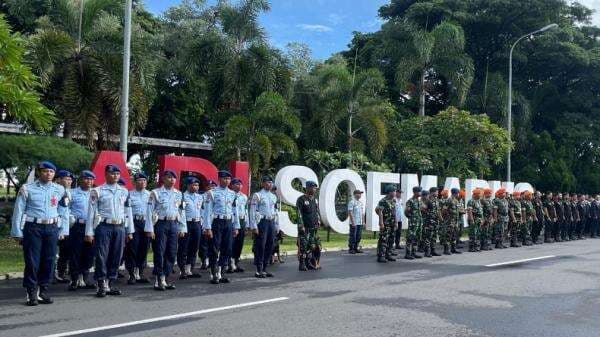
(11, 254)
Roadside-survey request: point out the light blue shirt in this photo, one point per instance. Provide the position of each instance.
(165, 202)
(357, 209)
(139, 201)
(40, 201)
(241, 205)
(109, 202)
(262, 205)
(219, 202)
(193, 205)
(80, 201)
(399, 209)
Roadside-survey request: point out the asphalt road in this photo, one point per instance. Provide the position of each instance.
(459, 295)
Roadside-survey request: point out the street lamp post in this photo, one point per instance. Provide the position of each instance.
(509, 119)
(125, 88)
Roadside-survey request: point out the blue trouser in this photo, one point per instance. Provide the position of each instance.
(188, 245)
(354, 236)
(165, 246)
(82, 253)
(109, 242)
(136, 250)
(238, 241)
(39, 251)
(220, 246)
(203, 249)
(263, 243)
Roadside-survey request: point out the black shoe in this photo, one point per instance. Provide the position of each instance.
(44, 298)
(358, 251)
(73, 286)
(259, 275)
(101, 291)
(351, 252)
(112, 290)
(214, 280)
(183, 276)
(32, 298)
(224, 280)
(302, 267)
(389, 258)
(267, 274)
(415, 255)
(131, 280)
(239, 269)
(381, 259)
(120, 275)
(393, 253)
(170, 286)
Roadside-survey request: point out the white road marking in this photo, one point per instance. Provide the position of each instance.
(520, 261)
(164, 318)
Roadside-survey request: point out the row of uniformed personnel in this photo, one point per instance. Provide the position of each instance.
(108, 224)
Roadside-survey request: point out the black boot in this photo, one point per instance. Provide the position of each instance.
(32, 297)
(427, 252)
(302, 265)
(414, 254)
(112, 289)
(381, 259)
(408, 255)
(471, 246)
(158, 284)
(73, 285)
(101, 292)
(44, 296)
(390, 258)
(433, 252)
(453, 250)
(259, 273)
(447, 250)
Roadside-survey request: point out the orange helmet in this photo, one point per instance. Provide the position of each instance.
(487, 191)
(527, 194)
(444, 193)
(516, 194)
(477, 191)
(462, 193)
(500, 192)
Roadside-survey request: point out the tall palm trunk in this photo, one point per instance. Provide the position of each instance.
(422, 94)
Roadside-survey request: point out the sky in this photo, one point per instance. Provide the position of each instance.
(326, 26)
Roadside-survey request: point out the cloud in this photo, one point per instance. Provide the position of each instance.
(335, 19)
(315, 28)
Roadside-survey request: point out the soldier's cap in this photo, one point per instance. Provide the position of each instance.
(111, 168)
(433, 189)
(64, 173)
(169, 173)
(444, 192)
(46, 165)
(140, 175)
(389, 189)
(527, 193)
(224, 174)
(454, 191)
(235, 181)
(87, 174)
(417, 189)
(266, 179)
(192, 180)
(487, 191)
(477, 191)
(311, 183)
(212, 182)
(357, 192)
(500, 192)
(462, 193)
(121, 182)
(424, 193)
(516, 194)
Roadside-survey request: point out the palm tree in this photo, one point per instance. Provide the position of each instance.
(76, 50)
(17, 83)
(352, 98)
(268, 132)
(426, 54)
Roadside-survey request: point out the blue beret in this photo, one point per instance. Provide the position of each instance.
(140, 175)
(46, 165)
(121, 182)
(454, 191)
(433, 189)
(170, 173)
(266, 179)
(224, 174)
(425, 193)
(212, 182)
(63, 173)
(110, 168)
(311, 183)
(417, 189)
(236, 181)
(87, 174)
(192, 180)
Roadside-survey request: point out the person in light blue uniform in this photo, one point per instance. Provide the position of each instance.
(82, 255)
(108, 225)
(188, 245)
(165, 222)
(203, 250)
(263, 215)
(37, 225)
(65, 179)
(136, 250)
(222, 225)
(241, 204)
(399, 213)
(356, 220)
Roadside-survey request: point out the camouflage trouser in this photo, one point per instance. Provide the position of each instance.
(526, 230)
(446, 233)
(386, 240)
(500, 229)
(413, 234)
(486, 231)
(514, 228)
(427, 237)
(309, 244)
(475, 232)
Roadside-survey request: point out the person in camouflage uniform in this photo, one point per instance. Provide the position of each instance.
(595, 217)
(576, 218)
(386, 209)
(549, 218)
(415, 222)
(444, 230)
(475, 218)
(583, 210)
(568, 217)
(501, 213)
(488, 220)
(530, 218)
(537, 230)
(309, 243)
(517, 219)
(461, 223)
(452, 215)
(431, 221)
(560, 217)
